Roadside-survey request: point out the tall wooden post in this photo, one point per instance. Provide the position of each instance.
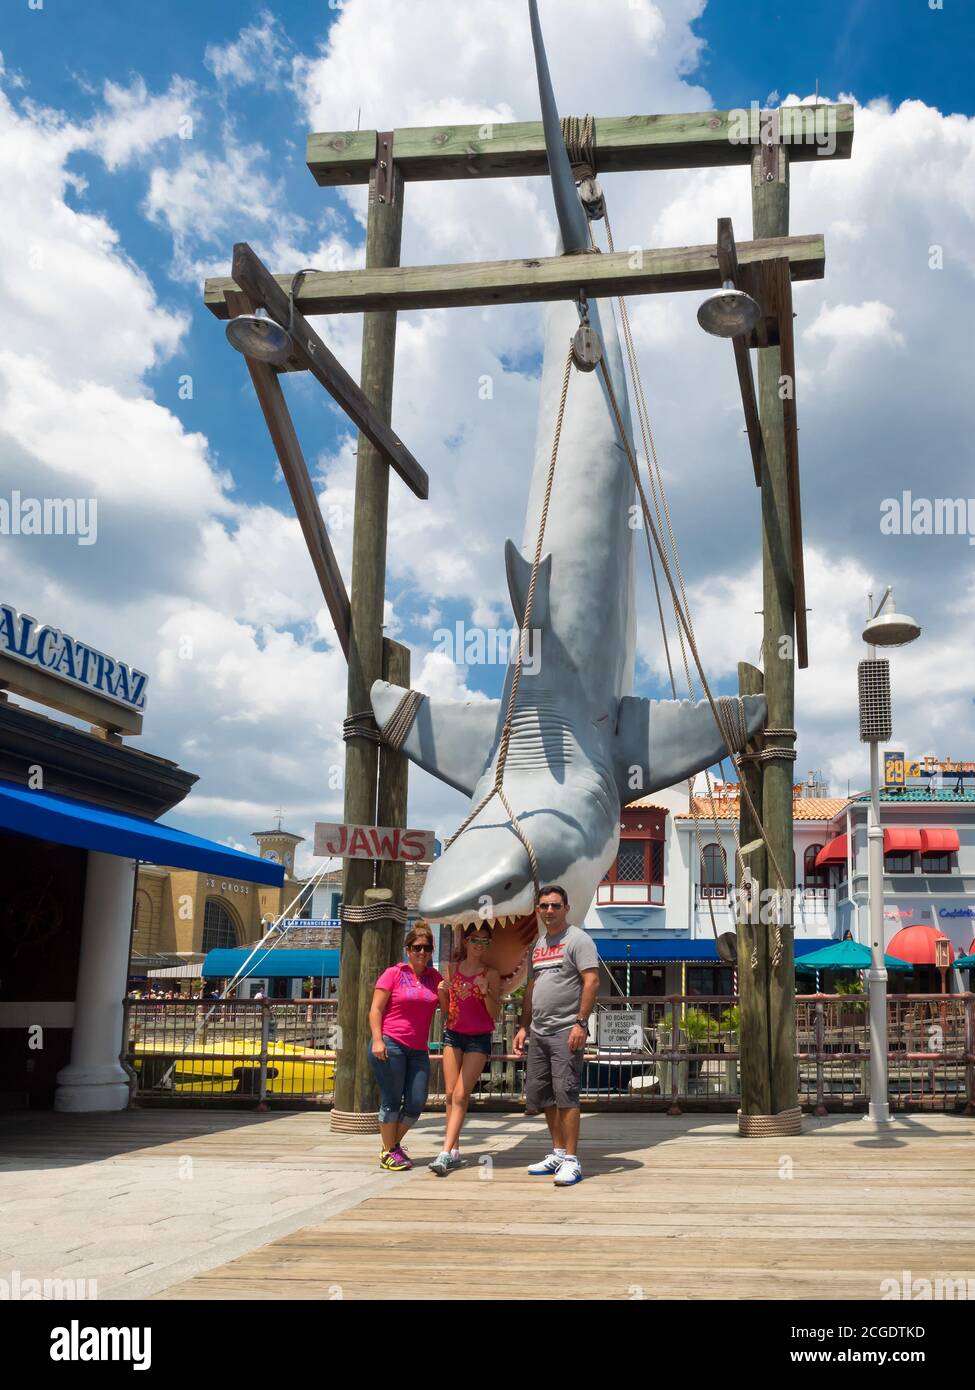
(383, 236)
(770, 218)
(753, 1034)
(393, 789)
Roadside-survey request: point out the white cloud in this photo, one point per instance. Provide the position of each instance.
(855, 325)
(258, 56)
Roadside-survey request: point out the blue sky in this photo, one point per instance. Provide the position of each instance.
(882, 338)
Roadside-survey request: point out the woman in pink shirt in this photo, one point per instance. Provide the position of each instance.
(473, 1005)
(403, 1004)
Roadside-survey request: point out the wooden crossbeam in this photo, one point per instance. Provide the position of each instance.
(271, 399)
(696, 140)
(658, 271)
(263, 290)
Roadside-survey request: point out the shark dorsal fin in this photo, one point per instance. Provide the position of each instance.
(519, 572)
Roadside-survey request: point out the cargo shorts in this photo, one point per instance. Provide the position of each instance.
(552, 1073)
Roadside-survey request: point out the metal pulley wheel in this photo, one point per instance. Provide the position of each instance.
(592, 199)
(587, 348)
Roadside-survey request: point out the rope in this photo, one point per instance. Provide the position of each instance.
(498, 787)
(577, 132)
(785, 1125)
(352, 1122)
(361, 725)
(400, 722)
(373, 912)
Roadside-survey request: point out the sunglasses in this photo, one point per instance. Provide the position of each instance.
(479, 941)
(549, 907)
(416, 946)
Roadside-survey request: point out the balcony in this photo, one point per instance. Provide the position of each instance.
(630, 894)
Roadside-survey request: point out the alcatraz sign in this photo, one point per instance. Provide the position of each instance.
(46, 664)
(374, 842)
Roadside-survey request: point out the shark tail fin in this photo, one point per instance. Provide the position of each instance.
(519, 571)
(573, 223)
(662, 742)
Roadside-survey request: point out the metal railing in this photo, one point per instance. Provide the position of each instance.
(687, 1057)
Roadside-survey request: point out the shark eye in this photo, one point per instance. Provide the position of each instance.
(507, 885)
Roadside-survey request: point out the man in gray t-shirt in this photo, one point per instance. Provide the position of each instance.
(563, 981)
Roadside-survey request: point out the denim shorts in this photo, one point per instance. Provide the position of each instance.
(403, 1081)
(467, 1042)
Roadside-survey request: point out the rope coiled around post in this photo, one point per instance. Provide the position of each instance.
(373, 912)
(361, 725)
(785, 1125)
(352, 1122)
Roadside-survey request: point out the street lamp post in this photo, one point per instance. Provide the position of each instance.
(885, 628)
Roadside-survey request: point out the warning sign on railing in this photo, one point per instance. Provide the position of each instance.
(620, 1029)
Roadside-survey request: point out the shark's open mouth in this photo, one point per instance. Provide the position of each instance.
(512, 938)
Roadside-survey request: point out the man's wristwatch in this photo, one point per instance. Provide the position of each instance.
(583, 1023)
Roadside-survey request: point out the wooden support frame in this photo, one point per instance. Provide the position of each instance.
(602, 276)
(687, 140)
(262, 289)
(271, 399)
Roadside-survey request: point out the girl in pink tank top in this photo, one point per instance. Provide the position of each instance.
(474, 1002)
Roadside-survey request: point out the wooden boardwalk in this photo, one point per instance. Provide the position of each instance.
(670, 1208)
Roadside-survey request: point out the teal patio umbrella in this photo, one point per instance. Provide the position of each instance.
(964, 963)
(846, 955)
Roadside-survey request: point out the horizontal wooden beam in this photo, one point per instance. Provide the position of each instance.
(281, 428)
(659, 271)
(694, 140)
(263, 290)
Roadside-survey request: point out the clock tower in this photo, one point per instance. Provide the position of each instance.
(279, 847)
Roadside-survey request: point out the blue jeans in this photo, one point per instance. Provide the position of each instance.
(404, 1079)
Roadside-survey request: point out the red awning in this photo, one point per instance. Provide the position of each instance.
(901, 839)
(937, 839)
(915, 944)
(833, 853)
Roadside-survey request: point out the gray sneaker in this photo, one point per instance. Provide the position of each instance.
(442, 1165)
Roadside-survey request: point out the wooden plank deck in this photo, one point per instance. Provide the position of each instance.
(670, 1208)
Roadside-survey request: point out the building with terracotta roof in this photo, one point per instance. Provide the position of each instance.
(668, 895)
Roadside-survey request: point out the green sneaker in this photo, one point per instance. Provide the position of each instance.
(442, 1165)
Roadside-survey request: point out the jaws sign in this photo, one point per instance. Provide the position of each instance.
(374, 842)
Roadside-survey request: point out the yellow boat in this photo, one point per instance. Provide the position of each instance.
(225, 1067)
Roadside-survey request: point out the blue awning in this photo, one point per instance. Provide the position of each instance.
(272, 961)
(65, 821)
(635, 949)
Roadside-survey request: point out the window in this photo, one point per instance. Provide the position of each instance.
(219, 929)
(937, 862)
(816, 879)
(636, 874)
(714, 872)
(899, 862)
(710, 979)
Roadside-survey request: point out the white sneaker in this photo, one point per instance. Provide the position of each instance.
(569, 1172)
(548, 1165)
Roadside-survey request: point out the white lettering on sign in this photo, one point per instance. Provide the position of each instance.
(373, 842)
(621, 1029)
(228, 887)
(48, 649)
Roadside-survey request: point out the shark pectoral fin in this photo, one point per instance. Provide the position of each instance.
(519, 571)
(453, 741)
(661, 742)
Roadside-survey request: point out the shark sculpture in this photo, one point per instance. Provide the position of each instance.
(582, 745)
